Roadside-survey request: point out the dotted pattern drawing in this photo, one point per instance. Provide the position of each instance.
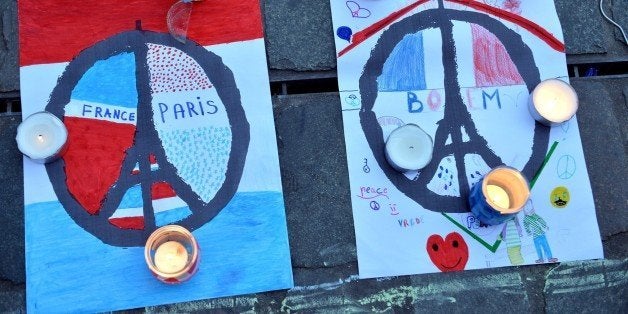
(200, 156)
(172, 70)
(445, 181)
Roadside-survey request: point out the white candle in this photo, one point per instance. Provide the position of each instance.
(553, 102)
(171, 257)
(42, 137)
(409, 148)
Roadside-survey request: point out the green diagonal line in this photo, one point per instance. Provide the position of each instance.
(491, 248)
(547, 157)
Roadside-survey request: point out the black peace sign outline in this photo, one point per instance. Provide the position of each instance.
(455, 115)
(147, 141)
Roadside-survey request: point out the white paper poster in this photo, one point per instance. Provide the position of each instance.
(462, 70)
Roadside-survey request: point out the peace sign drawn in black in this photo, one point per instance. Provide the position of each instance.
(147, 141)
(456, 116)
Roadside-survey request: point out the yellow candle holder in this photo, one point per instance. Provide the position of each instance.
(180, 235)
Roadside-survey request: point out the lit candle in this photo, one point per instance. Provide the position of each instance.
(172, 254)
(499, 195)
(553, 102)
(409, 148)
(171, 257)
(42, 137)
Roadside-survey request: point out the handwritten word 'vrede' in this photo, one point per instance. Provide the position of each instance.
(408, 223)
(367, 192)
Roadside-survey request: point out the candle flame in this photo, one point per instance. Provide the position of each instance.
(40, 138)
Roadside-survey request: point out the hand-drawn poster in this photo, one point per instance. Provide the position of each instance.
(462, 70)
(160, 132)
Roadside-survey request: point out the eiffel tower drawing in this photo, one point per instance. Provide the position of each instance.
(147, 142)
(449, 140)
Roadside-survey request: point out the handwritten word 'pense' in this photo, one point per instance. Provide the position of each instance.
(367, 192)
(187, 110)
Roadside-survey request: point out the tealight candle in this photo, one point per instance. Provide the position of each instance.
(172, 254)
(171, 257)
(409, 148)
(499, 195)
(42, 137)
(553, 102)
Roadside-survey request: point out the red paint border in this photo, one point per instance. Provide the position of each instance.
(532, 27)
(57, 30)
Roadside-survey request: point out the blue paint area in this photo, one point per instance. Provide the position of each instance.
(132, 198)
(404, 70)
(172, 215)
(110, 81)
(243, 250)
(344, 32)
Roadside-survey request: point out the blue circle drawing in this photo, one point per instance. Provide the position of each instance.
(566, 167)
(345, 33)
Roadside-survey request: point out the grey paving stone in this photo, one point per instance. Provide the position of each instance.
(487, 290)
(604, 154)
(299, 35)
(583, 26)
(315, 179)
(9, 73)
(588, 287)
(11, 202)
(12, 298)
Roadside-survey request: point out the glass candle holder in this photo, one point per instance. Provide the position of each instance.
(499, 195)
(172, 254)
(42, 137)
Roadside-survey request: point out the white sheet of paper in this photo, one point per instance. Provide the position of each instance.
(393, 57)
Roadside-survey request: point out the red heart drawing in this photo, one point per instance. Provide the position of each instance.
(450, 254)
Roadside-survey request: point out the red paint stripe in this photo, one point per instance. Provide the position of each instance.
(364, 34)
(532, 27)
(493, 65)
(135, 223)
(161, 190)
(56, 31)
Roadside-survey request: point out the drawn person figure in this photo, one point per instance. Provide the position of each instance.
(511, 234)
(536, 227)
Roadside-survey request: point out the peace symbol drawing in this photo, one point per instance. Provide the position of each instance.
(458, 143)
(157, 135)
(566, 167)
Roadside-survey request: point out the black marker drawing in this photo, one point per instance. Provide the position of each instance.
(147, 141)
(456, 125)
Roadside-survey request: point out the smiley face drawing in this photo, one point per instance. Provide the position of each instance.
(560, 197)
(450, 254)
